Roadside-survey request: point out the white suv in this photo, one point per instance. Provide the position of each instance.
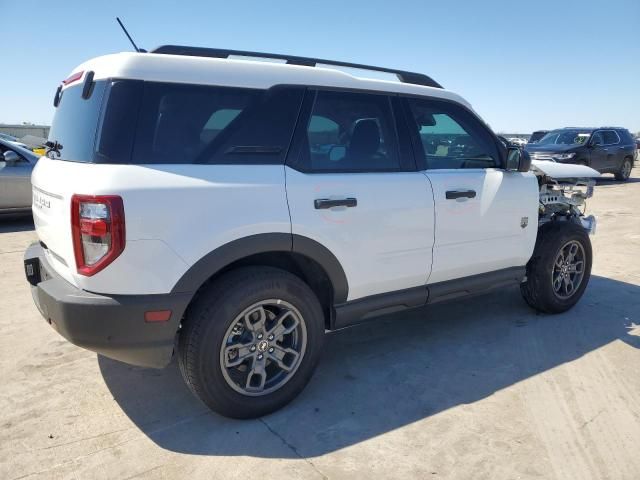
(234, 210)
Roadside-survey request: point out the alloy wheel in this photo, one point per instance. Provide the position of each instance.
(568, 270)
(263, 347)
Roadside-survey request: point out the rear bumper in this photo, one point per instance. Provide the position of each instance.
(113, 326)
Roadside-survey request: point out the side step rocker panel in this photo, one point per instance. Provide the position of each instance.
(357, 311)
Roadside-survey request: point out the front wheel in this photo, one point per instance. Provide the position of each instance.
(251, 341)
(625, 170)
(559, 270)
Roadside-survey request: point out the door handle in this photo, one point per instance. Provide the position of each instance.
(324, 203)
(453, 194)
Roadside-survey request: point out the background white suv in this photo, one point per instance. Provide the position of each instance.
(241, 208)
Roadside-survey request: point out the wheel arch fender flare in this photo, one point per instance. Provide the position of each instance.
(235, 250)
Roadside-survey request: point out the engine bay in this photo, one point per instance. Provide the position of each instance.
(564, 190)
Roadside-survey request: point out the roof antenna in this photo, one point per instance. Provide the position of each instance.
(139, 50)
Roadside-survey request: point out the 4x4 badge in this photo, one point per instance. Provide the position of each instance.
(524, 221)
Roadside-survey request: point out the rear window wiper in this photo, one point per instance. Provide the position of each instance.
(53, 146)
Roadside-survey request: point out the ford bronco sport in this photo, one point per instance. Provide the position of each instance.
(234, 210)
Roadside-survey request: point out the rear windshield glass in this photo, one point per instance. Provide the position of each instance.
(75, 123)
(167, 123)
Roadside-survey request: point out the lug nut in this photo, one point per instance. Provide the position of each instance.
(271, 350)
(271, 337)
(253, 348)
(260, 357)
(260, 336)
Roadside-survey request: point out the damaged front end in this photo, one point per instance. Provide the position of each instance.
(564, 189)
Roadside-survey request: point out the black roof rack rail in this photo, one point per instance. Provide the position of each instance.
(403, 76)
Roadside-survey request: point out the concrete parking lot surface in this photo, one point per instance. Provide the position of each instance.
(482, 389)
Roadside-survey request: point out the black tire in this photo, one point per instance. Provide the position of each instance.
(207, 325)
(538, 290)
(625, 170)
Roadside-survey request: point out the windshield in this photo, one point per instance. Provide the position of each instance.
(10, 138)
(565, 137)
(535, 136)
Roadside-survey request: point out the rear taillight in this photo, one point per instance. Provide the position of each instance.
(97, 225)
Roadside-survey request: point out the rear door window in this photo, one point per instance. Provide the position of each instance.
(610, 137)
(323, 130)
(625, 137)
(349, 132)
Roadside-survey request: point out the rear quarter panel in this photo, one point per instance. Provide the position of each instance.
(175, 215)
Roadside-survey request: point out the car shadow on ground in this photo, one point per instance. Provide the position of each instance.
(10, 223)
(386, 374)
(610, 180)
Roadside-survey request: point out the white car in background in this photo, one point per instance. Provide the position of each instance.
(521, 142)
(16, 165)
(13, 140)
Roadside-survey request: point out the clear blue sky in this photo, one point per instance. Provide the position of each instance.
(522, 65)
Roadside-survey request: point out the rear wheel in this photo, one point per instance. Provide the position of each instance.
(251, 341)
(559, 270)
(625, 170)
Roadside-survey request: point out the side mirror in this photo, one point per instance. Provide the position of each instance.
(337, 153)
(518, 160)
(11, 157)
(596, 143)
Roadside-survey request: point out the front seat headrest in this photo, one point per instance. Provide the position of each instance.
(365, 140)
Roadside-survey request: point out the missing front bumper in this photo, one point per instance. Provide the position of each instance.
(589, 224)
